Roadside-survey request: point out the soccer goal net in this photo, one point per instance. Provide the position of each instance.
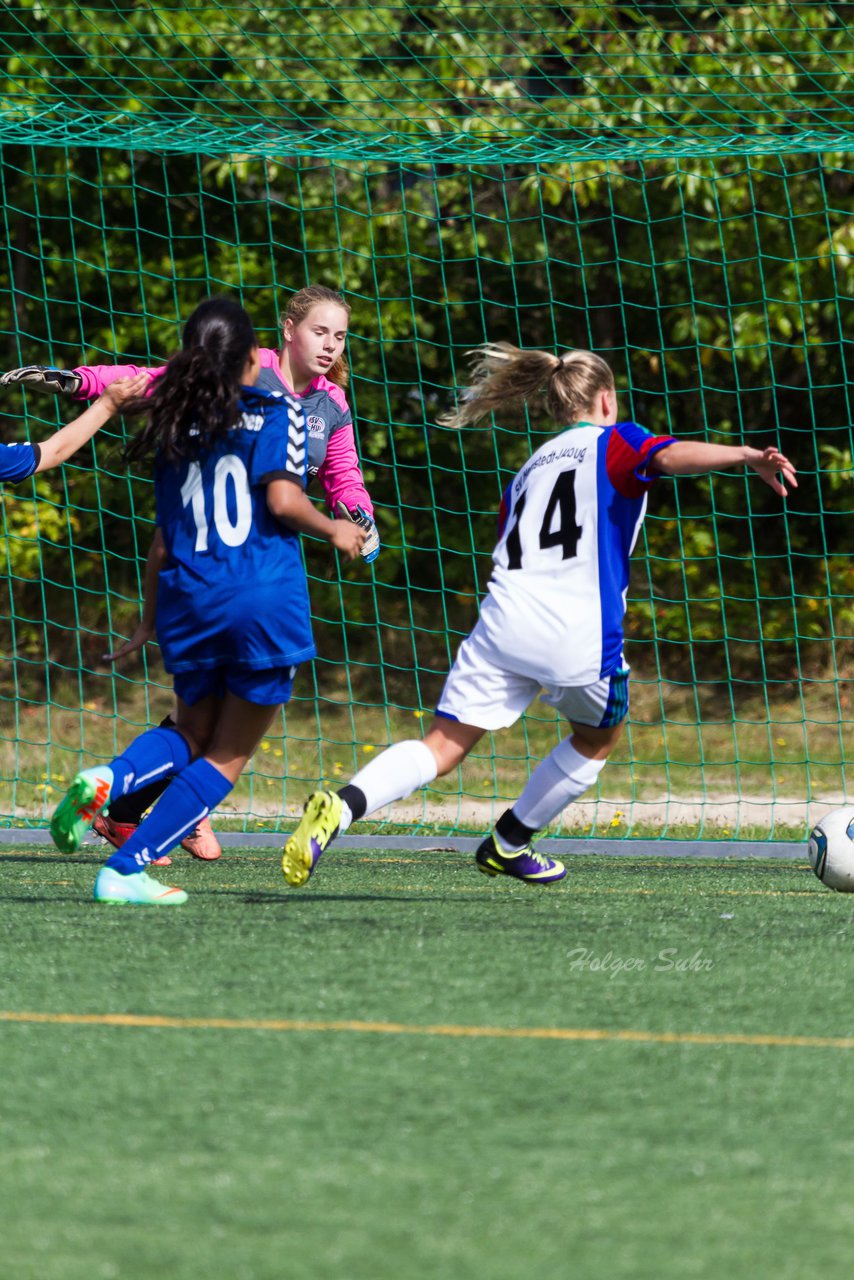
(667, 184)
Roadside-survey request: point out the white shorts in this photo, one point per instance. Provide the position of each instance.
(481, 693)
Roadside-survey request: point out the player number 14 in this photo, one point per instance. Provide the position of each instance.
(565, 535)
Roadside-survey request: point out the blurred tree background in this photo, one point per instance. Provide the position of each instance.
(669, 184)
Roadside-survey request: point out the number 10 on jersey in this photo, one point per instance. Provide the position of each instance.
(229, 470)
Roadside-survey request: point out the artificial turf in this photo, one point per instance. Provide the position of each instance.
(377, 1122)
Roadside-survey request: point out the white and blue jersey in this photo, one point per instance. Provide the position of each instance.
(18, 461)
(234, 591)
(569, 521)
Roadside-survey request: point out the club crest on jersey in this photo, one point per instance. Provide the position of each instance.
(315, 426)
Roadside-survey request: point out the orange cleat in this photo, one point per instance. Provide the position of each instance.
(202, 843)
(116, 833)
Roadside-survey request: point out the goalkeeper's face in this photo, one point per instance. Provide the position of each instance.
(316, 342)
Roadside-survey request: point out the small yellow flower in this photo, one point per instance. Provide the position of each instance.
(367, 748)
(278, 752)
(419, 715)
(265, 746)
(781, 742)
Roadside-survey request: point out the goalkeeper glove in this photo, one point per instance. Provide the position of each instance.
(43, 377)
(358, 515)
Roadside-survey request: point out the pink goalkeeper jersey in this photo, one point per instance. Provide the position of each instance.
(332, 453)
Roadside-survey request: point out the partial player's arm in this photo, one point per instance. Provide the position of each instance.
(289, 503)
(156, 559)
(694, 457)
(70, 438)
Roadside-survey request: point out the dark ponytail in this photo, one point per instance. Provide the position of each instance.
(195, 400)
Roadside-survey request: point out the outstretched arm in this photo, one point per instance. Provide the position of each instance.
(83, 383)
(72, 437)
(694, 457)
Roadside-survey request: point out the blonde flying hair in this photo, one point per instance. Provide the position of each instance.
(504, 375)
(299, 305)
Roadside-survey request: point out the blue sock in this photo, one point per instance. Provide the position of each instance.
(153, 755)
(188, 798)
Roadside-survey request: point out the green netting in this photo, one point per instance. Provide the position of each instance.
(667, 184)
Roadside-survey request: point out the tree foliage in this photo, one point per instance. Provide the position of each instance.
(713, 276)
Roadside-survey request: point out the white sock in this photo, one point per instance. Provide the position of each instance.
(346, 817)
(395, 774)
(563, 776)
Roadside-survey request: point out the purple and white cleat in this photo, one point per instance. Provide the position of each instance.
(526, 864)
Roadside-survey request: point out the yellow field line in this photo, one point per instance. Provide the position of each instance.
(159, 1021)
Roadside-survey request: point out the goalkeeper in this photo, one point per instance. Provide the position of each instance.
(311, 365)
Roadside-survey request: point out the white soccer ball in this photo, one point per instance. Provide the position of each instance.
(831, 850)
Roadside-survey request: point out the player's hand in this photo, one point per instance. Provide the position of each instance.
(138, 640)
(347, 538)
(123, 389)
(358, 515)
(43, 377)
(769, 464)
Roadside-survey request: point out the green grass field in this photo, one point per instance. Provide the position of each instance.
(275, 1084)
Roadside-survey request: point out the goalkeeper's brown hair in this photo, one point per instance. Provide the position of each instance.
(506, 376)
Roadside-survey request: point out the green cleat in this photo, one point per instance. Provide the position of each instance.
(140, 889)
(317, 829)
(88, 794)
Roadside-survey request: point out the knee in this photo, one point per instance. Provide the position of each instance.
(196, 746)
(597, 744)
(448, 755)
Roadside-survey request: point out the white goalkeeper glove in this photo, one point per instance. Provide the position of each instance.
(43, 377)
(358, 515)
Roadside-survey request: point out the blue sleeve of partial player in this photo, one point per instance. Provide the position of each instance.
(280, 451)
(17, 461)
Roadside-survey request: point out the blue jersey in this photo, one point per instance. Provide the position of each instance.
(570, 518)
(234, 590)
(17, 461)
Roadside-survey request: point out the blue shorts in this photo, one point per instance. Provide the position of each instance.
(266, 688)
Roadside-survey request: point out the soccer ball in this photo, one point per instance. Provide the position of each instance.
(831, 850)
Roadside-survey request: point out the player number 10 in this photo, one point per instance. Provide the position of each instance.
(193, 494)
